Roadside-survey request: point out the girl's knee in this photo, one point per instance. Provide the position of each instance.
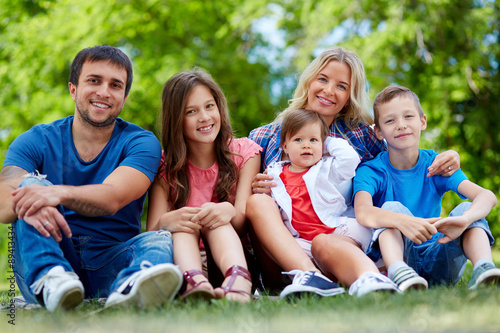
(258, 204)
(257, 200)
(322, 244)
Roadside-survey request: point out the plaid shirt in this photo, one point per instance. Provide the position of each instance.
(362, 138)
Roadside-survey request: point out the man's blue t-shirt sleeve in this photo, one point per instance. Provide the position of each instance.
(25, 151)
(144, 154)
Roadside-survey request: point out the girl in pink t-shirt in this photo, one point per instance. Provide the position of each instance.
(203, 184)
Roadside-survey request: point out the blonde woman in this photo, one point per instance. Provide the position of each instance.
(333, 85)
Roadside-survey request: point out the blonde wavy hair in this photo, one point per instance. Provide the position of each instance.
(356, 110)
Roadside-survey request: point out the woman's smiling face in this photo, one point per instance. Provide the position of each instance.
(329, 91)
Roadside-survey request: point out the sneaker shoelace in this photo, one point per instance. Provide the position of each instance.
(40, 283)
(302, 277)
(129, 283)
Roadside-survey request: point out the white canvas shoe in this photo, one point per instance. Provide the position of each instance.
(370, 282)
(152, 285)
(60, 289)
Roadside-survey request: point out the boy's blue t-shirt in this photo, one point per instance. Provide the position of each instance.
(422, 195)
(50, 150)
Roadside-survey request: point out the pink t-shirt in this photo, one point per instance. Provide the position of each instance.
(202, 181)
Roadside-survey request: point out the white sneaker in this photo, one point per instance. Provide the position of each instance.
(369, 282)
(60, 289)
(152, 285)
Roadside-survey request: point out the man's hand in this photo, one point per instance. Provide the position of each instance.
(27, 200)
(49, 222)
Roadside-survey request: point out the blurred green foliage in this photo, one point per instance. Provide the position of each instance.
(447, 51)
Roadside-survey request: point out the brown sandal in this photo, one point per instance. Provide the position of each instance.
(234, 272)
(196, 292)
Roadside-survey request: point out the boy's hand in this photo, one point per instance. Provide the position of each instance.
(418, 230)
(452, 227)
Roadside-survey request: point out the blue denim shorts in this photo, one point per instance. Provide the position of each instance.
(437, 263)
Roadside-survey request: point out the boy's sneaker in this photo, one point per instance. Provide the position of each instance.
(370, 282)
(59, 289)
(485, 274)
(152, 285)
(406, 278)
(310, 282)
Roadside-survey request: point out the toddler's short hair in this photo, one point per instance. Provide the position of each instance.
(298, 118)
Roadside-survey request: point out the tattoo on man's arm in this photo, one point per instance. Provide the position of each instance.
(11, 172)
(87, 208)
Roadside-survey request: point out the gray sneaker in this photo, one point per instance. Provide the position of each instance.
(485, 274)
(59, 289)
(407, 278)
(370, 282)
(152, 285)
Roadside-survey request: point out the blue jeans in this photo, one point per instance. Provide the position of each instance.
(102, 264)
(437, 263)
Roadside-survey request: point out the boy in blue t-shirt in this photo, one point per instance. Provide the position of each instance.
(393, 194)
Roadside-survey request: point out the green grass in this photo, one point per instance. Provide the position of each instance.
(436, 310)
(441, 309)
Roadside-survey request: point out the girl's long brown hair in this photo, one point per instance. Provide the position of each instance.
(174, 98)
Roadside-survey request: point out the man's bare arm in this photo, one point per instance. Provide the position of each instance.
(10, 178)
(122, 186)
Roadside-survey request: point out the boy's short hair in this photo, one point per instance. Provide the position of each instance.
(298, 118)
(391, 92)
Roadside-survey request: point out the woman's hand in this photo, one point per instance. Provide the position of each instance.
(214, 215)
(262, 183)
(445, 164)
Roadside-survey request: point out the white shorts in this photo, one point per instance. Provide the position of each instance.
(347, 227)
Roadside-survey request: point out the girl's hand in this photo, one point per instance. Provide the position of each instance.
(261, 183)
(181, 220)
(445, 164)
(214, 215)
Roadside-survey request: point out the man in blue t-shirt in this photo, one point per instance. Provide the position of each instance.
(416, 244)
(74, 191)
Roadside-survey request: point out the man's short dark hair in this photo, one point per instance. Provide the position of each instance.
(101, 52)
